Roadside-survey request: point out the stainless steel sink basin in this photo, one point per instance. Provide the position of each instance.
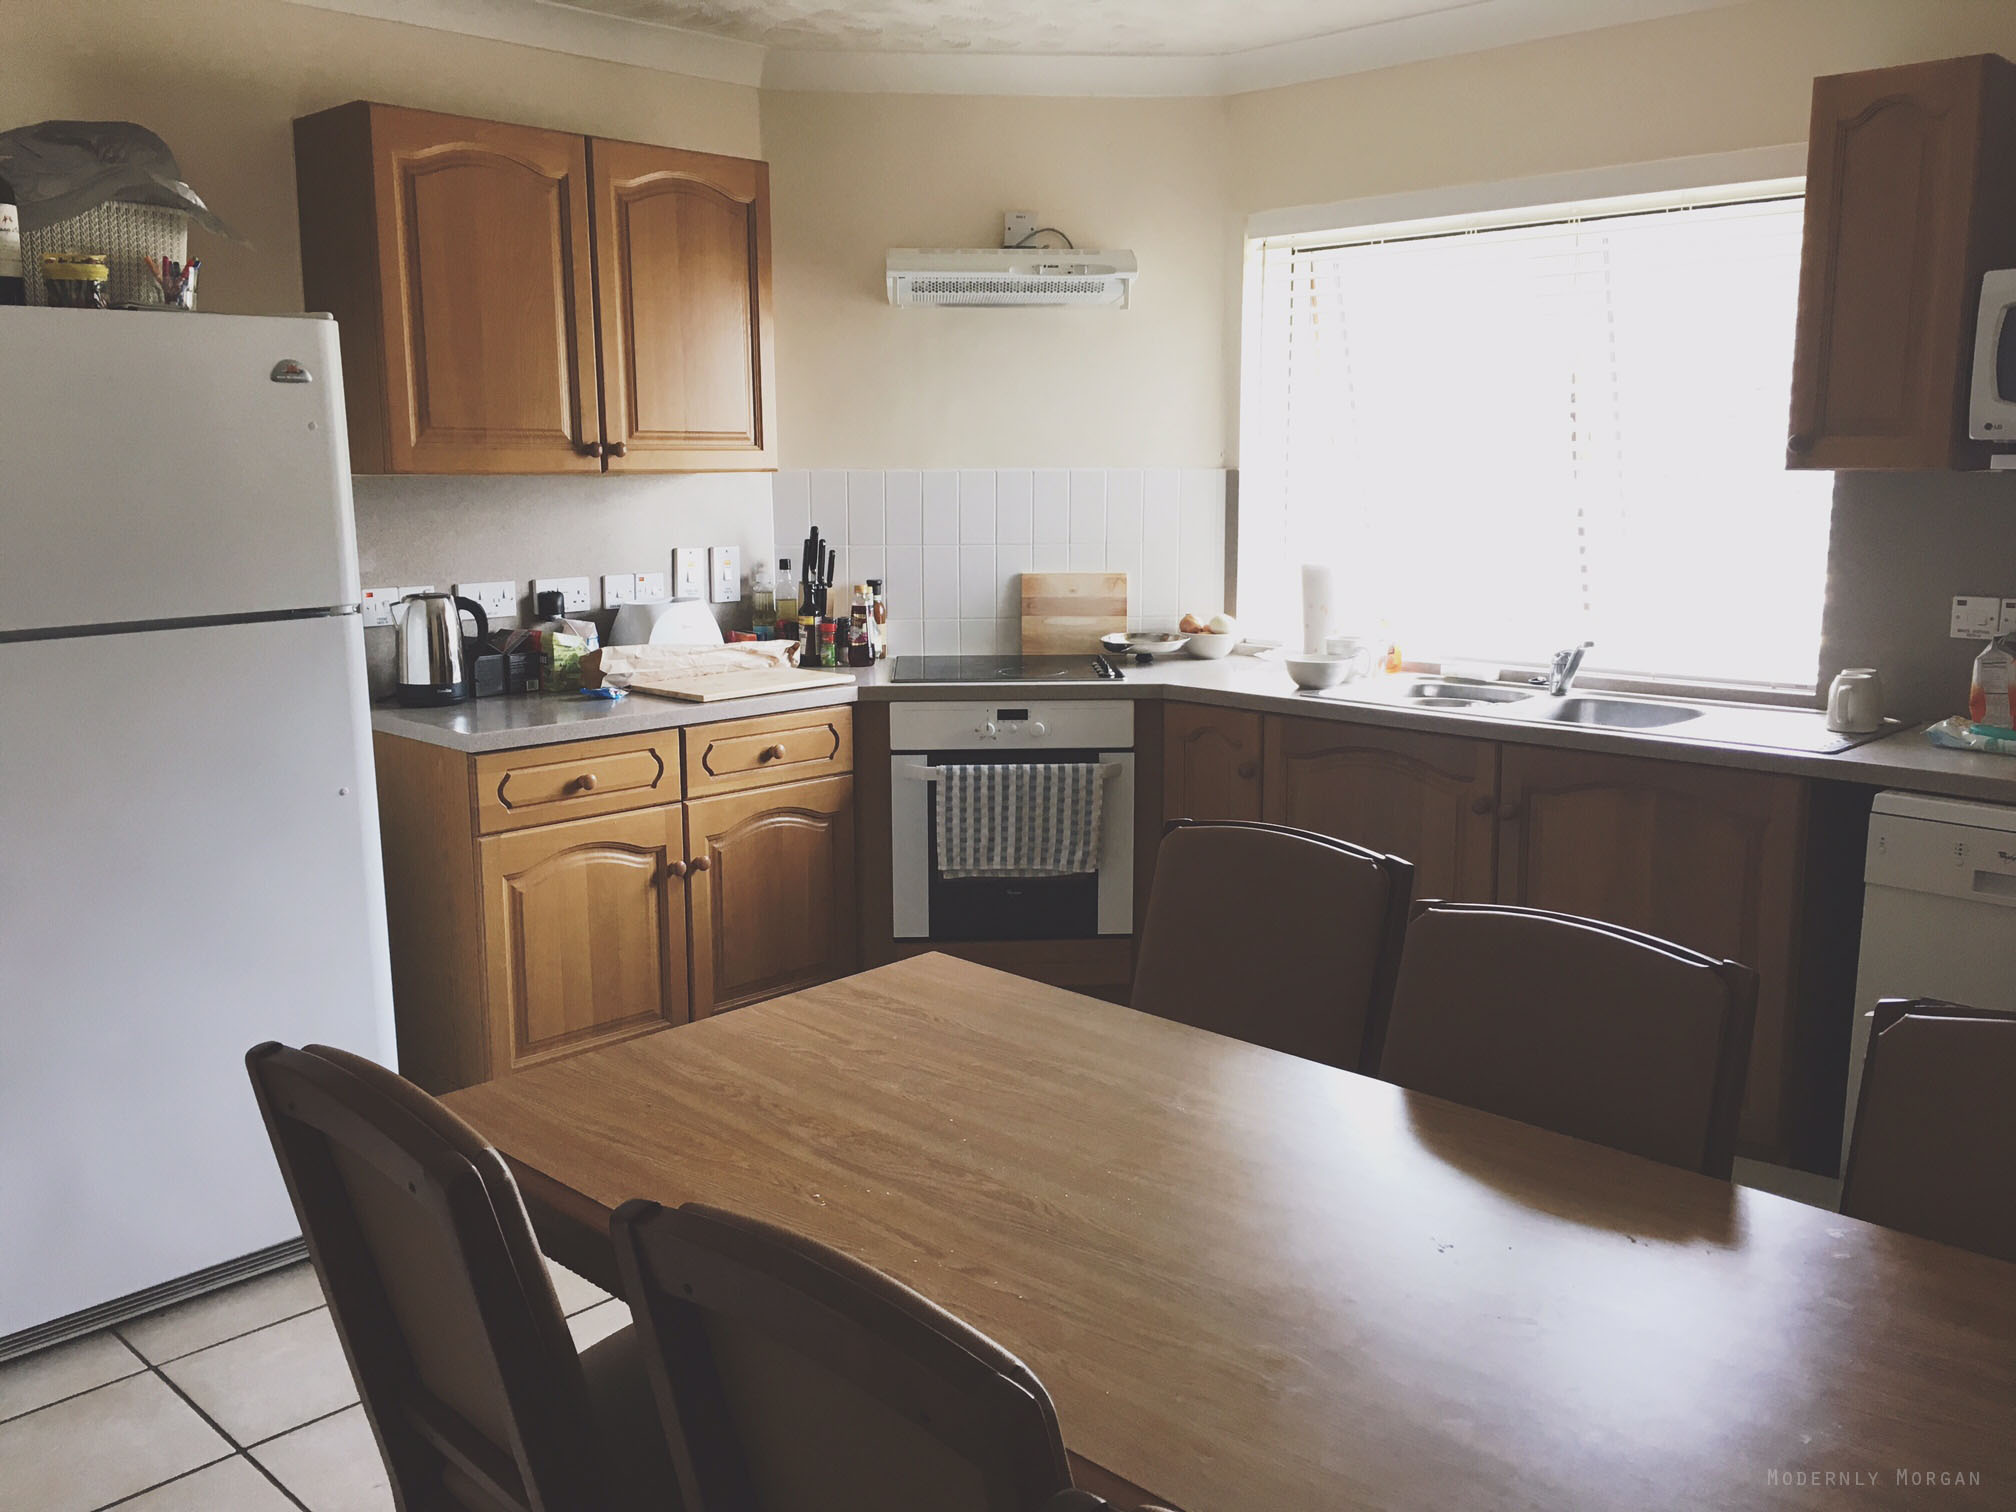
(1440, 693)
(1610, 713)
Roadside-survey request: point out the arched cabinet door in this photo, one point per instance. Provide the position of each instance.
(683, 270)
(488, 302)
(772, 891)
(584, 928)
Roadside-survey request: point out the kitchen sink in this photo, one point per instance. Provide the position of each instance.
(1441, 692)
(1610, 713)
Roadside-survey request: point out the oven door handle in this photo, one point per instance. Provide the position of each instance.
(932, 774)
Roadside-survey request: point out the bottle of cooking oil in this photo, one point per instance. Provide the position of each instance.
(785, 601)
(762, 602)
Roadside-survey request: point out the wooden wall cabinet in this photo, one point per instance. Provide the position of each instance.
(1910, 198)
(553, 899)
(515, 300)
(1210, 762)
(1430, 798)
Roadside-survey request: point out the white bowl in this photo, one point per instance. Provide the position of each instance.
(1208, 647)
(1313, 671)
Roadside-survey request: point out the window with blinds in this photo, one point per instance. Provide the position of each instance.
(1511, 438)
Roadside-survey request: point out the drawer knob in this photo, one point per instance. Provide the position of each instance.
(772, 753)
(700, 864)
(675, 868)
(585, 783)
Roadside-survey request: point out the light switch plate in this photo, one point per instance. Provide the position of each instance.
(499, 600)
(378, 604)
(650, 587)
(1976, 616)
(619, 588)
(579, 594)
(724, 574)
(689, 572)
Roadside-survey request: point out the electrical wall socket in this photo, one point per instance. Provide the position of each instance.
(619, 588)
(378, 604)
(579, 594)
(2009, 616)
(1976, 616)
(1017, 226)
(499, 600)
(650, 587)
(689, 572)
(724, 574)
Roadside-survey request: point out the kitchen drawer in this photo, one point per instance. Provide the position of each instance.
(546, 784)
(748, 753)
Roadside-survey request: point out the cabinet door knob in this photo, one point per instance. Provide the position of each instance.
(1248, 770)
(591, 449)
(771, 753)
(1508, 811)
(1483, 803)
(1798, 445)
(700, 864)
(616, 449)
(585, 783)
(675, 868)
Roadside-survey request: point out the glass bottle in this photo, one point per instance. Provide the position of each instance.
(861, 630)
(879, 612)
(763, 603)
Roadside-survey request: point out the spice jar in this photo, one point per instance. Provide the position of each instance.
(77, 280)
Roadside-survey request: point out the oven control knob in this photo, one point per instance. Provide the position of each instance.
(1039, 728)
(988, 729)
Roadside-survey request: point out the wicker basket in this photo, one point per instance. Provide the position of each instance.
(128, 234)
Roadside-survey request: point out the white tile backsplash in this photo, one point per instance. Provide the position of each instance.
(951, 545)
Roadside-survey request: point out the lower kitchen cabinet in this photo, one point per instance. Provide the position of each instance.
(1707, 857)
(1210, 762)
(1430, 799)
(585, 924)
(771, 891)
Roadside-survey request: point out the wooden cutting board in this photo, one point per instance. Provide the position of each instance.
(716, 686)
(1066, 612)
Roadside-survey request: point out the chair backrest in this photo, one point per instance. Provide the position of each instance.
(436, 1286)
(792, 1378)
(1576, 1025)
(1274, 936)
(1934, 1146)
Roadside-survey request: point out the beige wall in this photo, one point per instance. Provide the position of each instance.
(222, 80)
(866, 385)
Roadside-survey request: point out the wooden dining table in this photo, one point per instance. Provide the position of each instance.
(1251, 1281)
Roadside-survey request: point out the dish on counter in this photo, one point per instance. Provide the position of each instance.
(1143, 643)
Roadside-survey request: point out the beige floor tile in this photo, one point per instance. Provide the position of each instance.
(95, 1448)
(267, 1382)
(203, 1321)
(576, 1293)
(597, 1323)
(232, 1485)
(333, 1465)
(49, 1375)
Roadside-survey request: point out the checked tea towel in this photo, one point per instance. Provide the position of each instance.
(1019, 820)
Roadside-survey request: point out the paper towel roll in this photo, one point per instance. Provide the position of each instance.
(1319, 614)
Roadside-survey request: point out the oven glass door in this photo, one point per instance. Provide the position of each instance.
(1008, 908)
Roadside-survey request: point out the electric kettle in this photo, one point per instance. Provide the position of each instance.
(434, 656)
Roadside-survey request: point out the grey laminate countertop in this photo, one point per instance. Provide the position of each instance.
(1902, 760)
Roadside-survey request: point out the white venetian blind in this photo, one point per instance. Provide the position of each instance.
(1507, 440)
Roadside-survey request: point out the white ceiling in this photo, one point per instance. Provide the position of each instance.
(1023, 47)
(1101, 28)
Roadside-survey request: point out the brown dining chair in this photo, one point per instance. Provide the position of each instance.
(1934, 1147)
(446, 1311)
(1274, 936)
(1575, 1025)
(793, 1378)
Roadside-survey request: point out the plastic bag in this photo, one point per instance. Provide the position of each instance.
(61, 169)
(1960, 734)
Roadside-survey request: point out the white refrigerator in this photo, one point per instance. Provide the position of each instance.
(189, 858)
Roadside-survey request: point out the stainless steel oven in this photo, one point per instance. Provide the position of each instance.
(932, 906)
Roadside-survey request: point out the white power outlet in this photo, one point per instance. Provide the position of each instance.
(689, 572)
(579, 595)
(650, 587)
(498, 600)
(724, 574)
(1976, 616)
(1017, 226)
(2009, 616)
(618, 588)
(378, 604)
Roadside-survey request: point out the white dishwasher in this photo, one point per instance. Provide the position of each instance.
(1938, 913)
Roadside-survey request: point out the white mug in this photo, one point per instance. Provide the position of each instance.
(1855, 701)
